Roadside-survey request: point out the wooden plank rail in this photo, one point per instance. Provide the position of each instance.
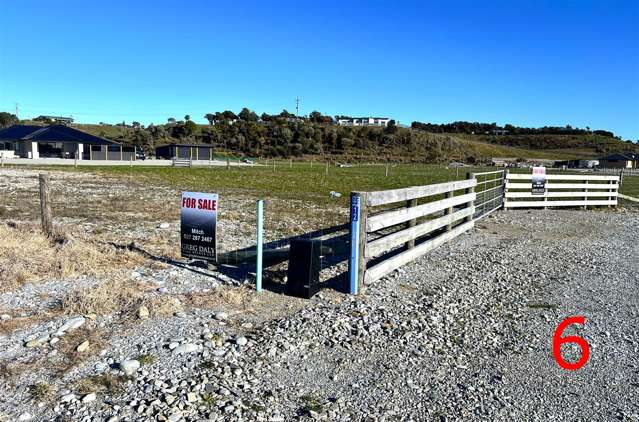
(398, 195)
(405, 225)
(565, 186)
(395, 239)
(517, 176)
(385, 267)
(562, 190)
(391, 218)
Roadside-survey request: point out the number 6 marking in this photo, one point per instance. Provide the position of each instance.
(557, 341)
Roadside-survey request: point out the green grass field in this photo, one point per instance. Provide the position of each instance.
(299, 182)
(302, 181)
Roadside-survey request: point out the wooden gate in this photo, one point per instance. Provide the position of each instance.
(394, 227)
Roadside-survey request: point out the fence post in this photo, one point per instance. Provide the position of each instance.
(131, 160)
(327, 168)
(586, 196)
(610, 198)
(620, 177)
(504, 199)
(449, 210)
(469, 176)
(353, 262)
(411, 223)
(260, 241)
(1, 160)
(386, 169)
(358, 238)
(45, 206)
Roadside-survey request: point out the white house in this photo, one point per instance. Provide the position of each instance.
(364, 121)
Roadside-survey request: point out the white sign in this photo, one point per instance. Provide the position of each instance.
(539, 180)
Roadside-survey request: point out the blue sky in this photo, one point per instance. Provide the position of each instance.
(528, 63)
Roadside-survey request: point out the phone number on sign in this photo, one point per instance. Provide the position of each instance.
(197, 237)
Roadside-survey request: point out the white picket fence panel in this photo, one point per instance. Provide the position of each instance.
(562, 190)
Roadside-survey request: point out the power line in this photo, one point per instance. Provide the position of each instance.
(297, 107)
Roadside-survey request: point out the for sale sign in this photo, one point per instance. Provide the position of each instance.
(539, 180)
(198, 225)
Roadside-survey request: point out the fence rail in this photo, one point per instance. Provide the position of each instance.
(182, 162)
(562, 191)
(394, 237)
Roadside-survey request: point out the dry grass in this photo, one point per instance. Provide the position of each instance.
(17, 322)
(117, 295)
(27, 255)
(234, 297)
(107, 383)
(163, 306)
(69, 357)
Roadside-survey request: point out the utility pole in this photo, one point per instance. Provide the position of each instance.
(17, 106)
(297, 107)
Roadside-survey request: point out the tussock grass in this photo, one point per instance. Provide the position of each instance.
(26, 255)
(117, 295)
(107, 383)
(40, 391)
(235, 297)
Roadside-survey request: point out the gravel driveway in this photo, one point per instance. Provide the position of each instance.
(463, 333)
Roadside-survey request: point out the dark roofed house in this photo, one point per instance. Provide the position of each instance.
(59, 141)
(619, 161)
(191, 151)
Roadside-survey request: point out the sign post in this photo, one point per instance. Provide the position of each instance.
(353, 262)
(260, 240)
(538, 181)
(198, 227)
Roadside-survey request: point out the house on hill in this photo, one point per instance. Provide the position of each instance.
(60, 141)
(620, 161)
(363, 121)
(56, 119)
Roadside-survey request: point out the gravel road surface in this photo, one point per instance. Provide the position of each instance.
(463, 333)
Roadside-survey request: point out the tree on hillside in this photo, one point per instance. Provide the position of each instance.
(210, 117)
(190, 127)
(248, 115)
(228, 115)
(7, 119)
(286, 114)
(391, 128)
(187, 117)
(315, 117)
(171, 120)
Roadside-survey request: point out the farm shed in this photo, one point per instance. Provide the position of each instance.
(619, 161)
(190, 151)
(59, 141)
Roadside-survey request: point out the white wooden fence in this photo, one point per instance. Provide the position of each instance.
(388, 236)
(182, 162)
(562, 190)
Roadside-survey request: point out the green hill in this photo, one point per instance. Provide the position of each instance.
(286, 138)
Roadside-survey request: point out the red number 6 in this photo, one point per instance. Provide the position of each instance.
(557, 341)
